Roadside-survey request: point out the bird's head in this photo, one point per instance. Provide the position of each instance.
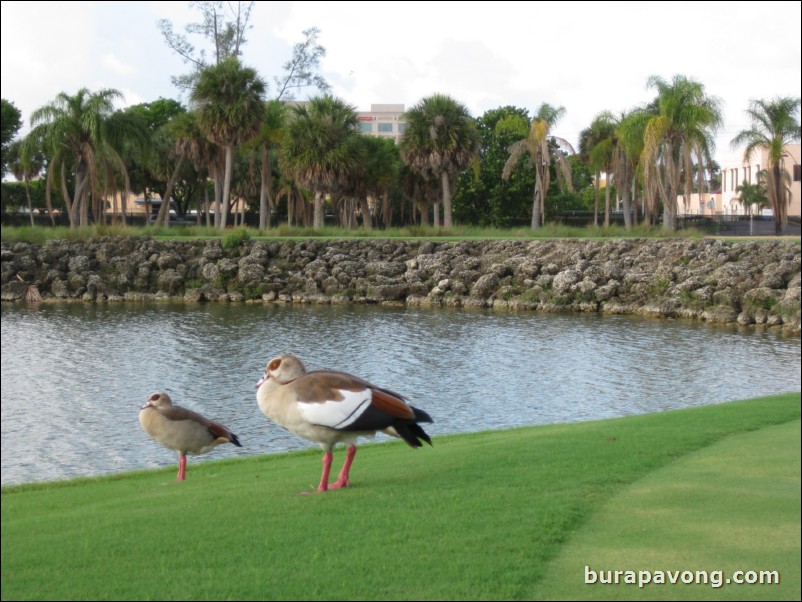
(283, 369)
(158, 400)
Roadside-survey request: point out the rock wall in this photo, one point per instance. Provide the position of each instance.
(756, 282)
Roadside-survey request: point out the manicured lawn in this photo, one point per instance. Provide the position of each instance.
(488, 516)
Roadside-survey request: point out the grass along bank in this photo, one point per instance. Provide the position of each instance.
(476, 516)
(39, 234)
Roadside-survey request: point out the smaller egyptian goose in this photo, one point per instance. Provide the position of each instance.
(183, 430)
(330, 407)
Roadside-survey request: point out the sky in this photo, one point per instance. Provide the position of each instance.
(587, 57)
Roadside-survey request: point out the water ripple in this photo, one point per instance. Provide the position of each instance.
(75, 375)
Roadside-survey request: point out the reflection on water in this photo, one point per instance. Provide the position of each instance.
(75, 375)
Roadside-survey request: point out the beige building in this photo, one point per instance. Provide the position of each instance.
(733, 173)
(383, 120)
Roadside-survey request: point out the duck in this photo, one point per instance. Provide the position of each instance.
(182, 430)
(330, 407)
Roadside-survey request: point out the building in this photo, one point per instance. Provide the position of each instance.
(383, 120)
(734, 172)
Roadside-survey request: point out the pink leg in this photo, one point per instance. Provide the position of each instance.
(182, 467)
(342, 480)
(324, 478)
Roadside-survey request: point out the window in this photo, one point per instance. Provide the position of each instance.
(402, 127)
(797, 172)
(365, 128)
(386, 128)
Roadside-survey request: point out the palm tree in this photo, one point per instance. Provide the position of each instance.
(542, 149)
(685, 124)
(630, 131)
(25, 167)
(775, 123)
(597, 144)
(440, 141)
(752, 196)
(321, 147)
(230, 102)
(79, 133)
(269, 138)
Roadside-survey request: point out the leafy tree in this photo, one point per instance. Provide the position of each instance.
(482, 196)
(380, 174)
(775, 123)
(542, 150)
(440, 141)
(10, 123)
(83, 135)
(230, 103)
(686, 121)
(321, 148)
(149, 167)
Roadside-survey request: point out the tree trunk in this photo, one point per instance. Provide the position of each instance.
(227, 187)
(367, 219)
(386, 212)
(535, 224)
(607, 199)
(596, 200)
(164, 211)
(317, 222)
(779, 207)
(436, 214)
(447, 221)
(28, 194)
(626, 196)
(265, 202)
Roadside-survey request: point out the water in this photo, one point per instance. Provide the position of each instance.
(75, 375)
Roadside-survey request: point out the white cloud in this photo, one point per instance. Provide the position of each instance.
(584, 56)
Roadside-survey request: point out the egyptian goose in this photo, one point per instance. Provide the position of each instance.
(183, 430)
(330, 407)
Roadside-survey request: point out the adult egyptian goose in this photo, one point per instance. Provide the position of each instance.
(330, 407)
(183, 430)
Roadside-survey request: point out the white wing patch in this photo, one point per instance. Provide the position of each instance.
(337, 414)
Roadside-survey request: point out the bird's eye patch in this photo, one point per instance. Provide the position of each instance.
(274, 364)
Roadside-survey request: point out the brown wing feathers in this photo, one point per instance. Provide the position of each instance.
(218, 431)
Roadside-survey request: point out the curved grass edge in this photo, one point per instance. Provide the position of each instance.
(477, 516)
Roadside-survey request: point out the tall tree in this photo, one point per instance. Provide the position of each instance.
(482, 197)
(440, 141)
(543, 149)
(268, 140)
(597, 145)
(25, 167)
(222, 25)
(321, 148)
(230, 100)
(686, 122)
(775, 123)
(83, 135)
(10, 123)
(301, 71)
(630, 131)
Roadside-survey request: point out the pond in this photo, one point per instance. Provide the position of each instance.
(75, 375)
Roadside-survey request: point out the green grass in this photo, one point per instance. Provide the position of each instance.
(483, 516)
(698, 514)
(39, 235)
